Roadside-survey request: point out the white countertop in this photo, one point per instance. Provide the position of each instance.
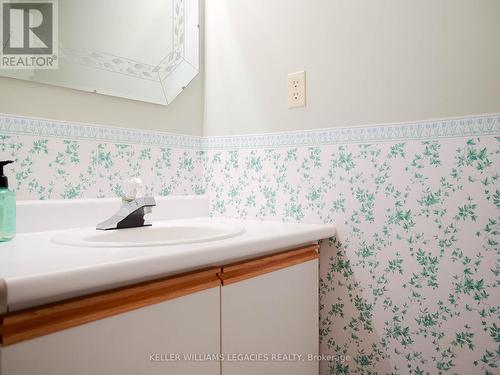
(35, 270)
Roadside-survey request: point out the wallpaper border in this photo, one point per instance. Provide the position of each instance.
(10, 124)
(476, 125)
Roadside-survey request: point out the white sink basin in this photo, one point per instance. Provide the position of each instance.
(160, 234)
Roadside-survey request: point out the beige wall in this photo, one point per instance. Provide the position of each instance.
(366, 61)
(184, 115)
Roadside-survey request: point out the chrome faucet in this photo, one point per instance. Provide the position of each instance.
(134, 206)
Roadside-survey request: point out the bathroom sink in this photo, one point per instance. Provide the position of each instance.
(160, 234)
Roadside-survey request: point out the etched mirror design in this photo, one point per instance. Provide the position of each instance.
(147, 51)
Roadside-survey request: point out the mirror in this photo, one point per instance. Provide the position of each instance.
(141, 50)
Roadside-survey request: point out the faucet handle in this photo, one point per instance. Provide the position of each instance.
(133, 189)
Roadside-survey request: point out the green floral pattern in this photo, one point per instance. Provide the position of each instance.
(52, 168)
(410, 284)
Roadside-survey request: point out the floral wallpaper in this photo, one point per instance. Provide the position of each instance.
(411, 282)
(55, 168)
(409, 285)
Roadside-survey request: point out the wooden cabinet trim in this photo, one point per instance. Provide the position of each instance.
(255, 267)
(3, 297)
(39, 321)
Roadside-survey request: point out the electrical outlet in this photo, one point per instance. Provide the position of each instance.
(297, 89)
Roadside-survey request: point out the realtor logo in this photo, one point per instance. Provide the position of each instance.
(29, 34)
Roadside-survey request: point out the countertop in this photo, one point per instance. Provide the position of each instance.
(34, 270)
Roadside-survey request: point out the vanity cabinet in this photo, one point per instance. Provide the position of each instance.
(145, 328)
(253, 314)
(269, 310)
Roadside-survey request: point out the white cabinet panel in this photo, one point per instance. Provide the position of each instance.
(272, 313)
(122, 344)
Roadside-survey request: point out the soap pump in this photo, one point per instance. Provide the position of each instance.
(7, 206)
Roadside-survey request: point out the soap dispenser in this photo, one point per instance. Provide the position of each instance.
(7, 206)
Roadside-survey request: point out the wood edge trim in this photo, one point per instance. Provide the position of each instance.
(68, 306)
(40, 321)
(3, 298)
(262, 260)
(255, 267)
(235, 277)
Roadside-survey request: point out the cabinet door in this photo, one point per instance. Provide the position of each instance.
(123, 344)
(274, 313)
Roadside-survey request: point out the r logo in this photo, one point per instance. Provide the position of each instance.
(27, 28)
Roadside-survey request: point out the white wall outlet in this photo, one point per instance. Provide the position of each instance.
(297, 89)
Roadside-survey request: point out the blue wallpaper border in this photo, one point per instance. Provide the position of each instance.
(419, 130)
(478, 125)
(10, 124)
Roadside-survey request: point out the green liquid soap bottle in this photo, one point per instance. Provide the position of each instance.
(7, 207)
